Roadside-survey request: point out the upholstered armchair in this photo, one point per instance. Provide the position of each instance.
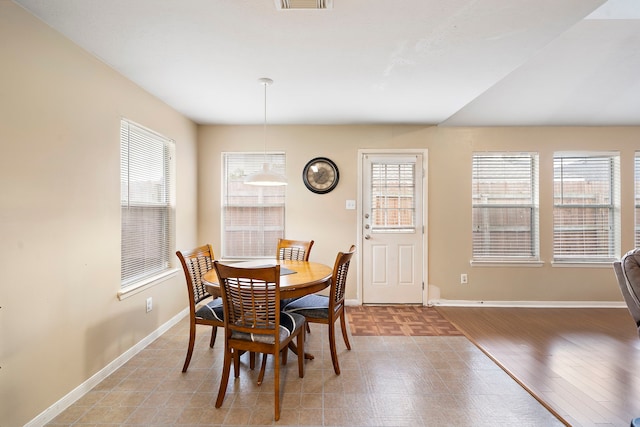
(628, 274)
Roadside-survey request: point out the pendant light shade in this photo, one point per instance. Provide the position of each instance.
(265, 177)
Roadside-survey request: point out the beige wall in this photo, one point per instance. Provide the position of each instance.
(60, 320)
(325, 219)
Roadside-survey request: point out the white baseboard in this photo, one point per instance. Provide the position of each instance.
(75, 394)
(523, 304)
(529, 304)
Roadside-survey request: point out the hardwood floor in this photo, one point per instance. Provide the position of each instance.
(582, 364)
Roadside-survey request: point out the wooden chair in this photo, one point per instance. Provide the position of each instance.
(253, 321)
(326, 310)
(195, 263)
(298, 250)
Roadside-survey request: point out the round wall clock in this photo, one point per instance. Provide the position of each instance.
(320, 175)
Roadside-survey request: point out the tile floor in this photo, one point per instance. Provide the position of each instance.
(385, 381)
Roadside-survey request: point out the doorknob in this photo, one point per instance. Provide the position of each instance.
(366, 226)
(367, 237)
(366, 215)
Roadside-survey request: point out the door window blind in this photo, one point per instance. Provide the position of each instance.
(505, 206)
(253, 216)
(146, 178)
(585, 212)
(393, 197)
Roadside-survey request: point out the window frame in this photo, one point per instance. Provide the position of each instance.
(498, 254)
(613, 208)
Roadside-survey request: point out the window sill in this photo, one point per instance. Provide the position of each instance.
(146, 284)
(505, 263)
(588, 264)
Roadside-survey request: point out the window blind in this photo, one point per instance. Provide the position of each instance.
(253, 216)
(147, 221)
(585, 214)
(393, 197)
(505, 206)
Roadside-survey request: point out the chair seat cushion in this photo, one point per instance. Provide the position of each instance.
(212, 310)
(314, 306)
(290, 323)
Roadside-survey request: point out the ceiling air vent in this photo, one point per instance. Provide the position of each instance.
(303, 4)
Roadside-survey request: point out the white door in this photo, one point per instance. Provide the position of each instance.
(392, 228)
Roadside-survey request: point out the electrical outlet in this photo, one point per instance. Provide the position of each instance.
(149, 304)
(464, 279)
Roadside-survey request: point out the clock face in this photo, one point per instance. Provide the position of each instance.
(320, 175)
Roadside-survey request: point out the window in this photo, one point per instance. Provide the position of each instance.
(637, 202)
(505, 206)
(253, 216)
(393, 197)
(146, 191)
(586, 219)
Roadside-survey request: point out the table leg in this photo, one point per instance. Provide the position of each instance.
(294, 348)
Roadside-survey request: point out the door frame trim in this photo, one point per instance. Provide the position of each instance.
(425, 210)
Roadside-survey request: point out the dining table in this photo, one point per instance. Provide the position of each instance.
(297, 278)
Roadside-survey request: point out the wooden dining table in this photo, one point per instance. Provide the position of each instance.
(297, 279)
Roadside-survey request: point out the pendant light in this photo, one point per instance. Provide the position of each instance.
(266, 177)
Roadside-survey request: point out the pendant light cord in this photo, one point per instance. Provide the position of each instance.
(266, 176)
(265, 81)
(264, 127)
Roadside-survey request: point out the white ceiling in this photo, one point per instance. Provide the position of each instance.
(447, 62)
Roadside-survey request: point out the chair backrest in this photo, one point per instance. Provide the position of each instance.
(251, 301)
(297, 250)
(628, 274)
(339, 277)
(195, 263)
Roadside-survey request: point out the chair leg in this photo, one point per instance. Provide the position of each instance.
(226, 368)
(285, 353)
(262, 368)
(192, 340)
(343, 325)
(276, 386)
(301, 353)
(214, 332)
(236, 363)
(332, 346)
